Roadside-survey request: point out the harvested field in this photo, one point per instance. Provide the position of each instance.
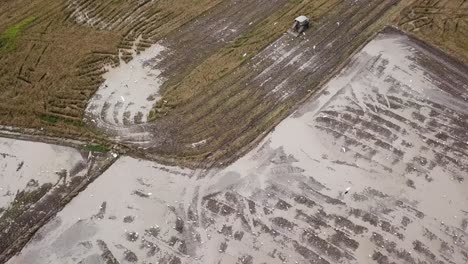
(187, 83)
(131, 90)
(370, 170)
(218, 101)
(36, 181)
(441, 22)
(53, 64)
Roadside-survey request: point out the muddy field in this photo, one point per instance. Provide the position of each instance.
(216, 102)
(177, 79)
(131, 90)
(23, 169)
(36, 181)
(174, 79)
(370, 170)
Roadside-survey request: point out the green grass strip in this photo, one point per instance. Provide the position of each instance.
(96, 148)
(9, 36)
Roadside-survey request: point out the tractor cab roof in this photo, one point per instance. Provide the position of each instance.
(302, 19)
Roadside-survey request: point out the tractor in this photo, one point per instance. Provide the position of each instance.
(301, 23)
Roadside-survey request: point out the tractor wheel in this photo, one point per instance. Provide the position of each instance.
(301, 29)
(294, 26)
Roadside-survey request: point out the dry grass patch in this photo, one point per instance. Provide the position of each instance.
(440, 22)
(53, 52)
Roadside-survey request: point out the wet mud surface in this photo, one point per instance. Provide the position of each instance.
(37, 180)
(28, 165)
(370, 170)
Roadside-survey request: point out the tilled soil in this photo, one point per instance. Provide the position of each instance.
(283, 74)
(371, 170)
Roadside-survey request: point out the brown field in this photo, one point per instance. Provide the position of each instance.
(200, 83)
(58, 60)
(56, 63)
(234, 103)
(48, 78)
(441, 22)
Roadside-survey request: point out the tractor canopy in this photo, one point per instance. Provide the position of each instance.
(302, 20)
